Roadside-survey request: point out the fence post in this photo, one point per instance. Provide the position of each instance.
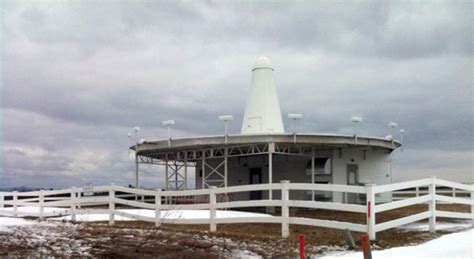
(41, 204)
(158, 208)
(1, 201)
(285, 214)
(417, 190)
(15, 206)
(454, 192)
(432, 204)
(369, 189)
(73, 203)
(111, 205)
(212, 204)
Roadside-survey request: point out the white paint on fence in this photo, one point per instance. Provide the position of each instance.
(12, 203)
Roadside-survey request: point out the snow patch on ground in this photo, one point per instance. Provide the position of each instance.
(439, 226)
(244, 254)
(170, 214)
(6, 223)
(457, 246)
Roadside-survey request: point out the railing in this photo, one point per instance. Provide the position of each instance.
(73, 202)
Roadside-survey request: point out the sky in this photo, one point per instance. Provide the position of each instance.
(76, 76)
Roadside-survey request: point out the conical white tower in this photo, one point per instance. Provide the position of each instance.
(262, 112)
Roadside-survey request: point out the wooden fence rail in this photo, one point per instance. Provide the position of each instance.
(73, 202)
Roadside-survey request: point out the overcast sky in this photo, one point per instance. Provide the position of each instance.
(76, 76)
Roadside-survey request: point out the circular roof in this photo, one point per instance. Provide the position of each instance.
(323, 141)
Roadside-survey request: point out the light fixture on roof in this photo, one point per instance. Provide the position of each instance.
(355, 120)
(392, 126)
(294, 117)
(135, 131)
(226, 119)
(168, 124)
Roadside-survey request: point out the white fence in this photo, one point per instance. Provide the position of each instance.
(418, 191)
(106, 198)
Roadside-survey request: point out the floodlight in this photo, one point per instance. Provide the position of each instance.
(226, 118)
(402, 131)
(129, 134)
(392, 124)
(168, 123)
(136, 129)
(356, 119)
(295, 116)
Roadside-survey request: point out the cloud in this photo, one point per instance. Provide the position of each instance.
(76, 76)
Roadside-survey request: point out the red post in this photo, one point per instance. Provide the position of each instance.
(364, 239)
(368, 209)
(301, 246)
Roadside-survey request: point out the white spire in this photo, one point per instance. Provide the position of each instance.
(262, 112)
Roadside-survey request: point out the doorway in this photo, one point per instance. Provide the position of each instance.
(352, 179)
(255, 178)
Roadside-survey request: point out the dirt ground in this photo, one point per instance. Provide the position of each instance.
(128, 239)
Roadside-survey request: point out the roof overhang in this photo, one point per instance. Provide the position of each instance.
(320, 141)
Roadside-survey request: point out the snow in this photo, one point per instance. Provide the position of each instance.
(31, 209)
(5, 223)
(171, 214)
(456, 246)
(244, 254)
(439, 226)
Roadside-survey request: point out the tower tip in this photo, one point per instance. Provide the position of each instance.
(262, 62)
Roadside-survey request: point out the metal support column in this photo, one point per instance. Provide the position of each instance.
(312, 171)
(186, 171)
(226, 153)
(176, 183)
(166, 172)
(203, 168)
(136, 171)
(271, 149)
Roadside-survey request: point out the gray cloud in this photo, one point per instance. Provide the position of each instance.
(78, 75)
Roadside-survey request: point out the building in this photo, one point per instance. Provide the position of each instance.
(264, 153)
